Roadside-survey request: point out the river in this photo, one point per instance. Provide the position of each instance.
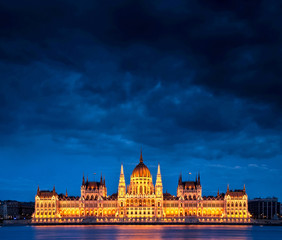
(130, 232)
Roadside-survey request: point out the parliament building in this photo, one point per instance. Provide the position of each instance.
(141, 201)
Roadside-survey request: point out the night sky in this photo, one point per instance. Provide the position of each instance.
(85, 84)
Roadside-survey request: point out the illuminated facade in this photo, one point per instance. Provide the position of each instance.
(141, 201)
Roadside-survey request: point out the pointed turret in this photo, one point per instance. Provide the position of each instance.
(159, 169)
(54, 189)
(180, 179)
(159, 177)
(104, 181)
(87, 179)
(38, 190)
(121, 184)
(199, 179)
(159, 184)
(244, 189)
(218, 192)
(196, 178)
(227, 188)
(121, 177)
(101, 180)
(83, 180)
(66, 192)
(141, 157)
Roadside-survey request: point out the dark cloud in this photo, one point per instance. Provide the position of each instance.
(193, 82)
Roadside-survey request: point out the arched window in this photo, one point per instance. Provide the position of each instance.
(232, 204)
(141, 190)
(236, 204)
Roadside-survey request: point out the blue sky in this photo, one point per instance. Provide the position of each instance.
(85, 85)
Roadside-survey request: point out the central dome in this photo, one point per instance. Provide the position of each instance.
(141, 169)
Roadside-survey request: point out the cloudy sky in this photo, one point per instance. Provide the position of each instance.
(85, 84)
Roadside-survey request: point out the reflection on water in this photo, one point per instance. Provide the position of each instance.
(136, 232)
(130, 232)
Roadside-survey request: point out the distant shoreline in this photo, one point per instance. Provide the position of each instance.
(29, 223)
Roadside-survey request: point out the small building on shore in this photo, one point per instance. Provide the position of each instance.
(265, 208)
(10, 209)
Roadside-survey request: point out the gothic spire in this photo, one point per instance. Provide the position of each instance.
(159, 176)
(180, 179)
(159, 184)
(227, 188)
(244, 189)
(101, 180)
(159, 169)
(54, 189)
(199, 179)
(121, 184)
(121, 170)
(141, 157)
(66, 192)
(121, 177)
(38, 190)
(83, 180)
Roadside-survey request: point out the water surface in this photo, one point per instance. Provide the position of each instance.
(130, 232)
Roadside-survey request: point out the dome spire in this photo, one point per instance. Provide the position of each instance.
(141, 157)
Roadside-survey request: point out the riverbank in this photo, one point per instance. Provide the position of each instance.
(29, 223)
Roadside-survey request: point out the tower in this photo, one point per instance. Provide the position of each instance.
(82, 188)
(180, 186)
(159, 193)
(159, 184)
(121, 193)
(121, 184)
